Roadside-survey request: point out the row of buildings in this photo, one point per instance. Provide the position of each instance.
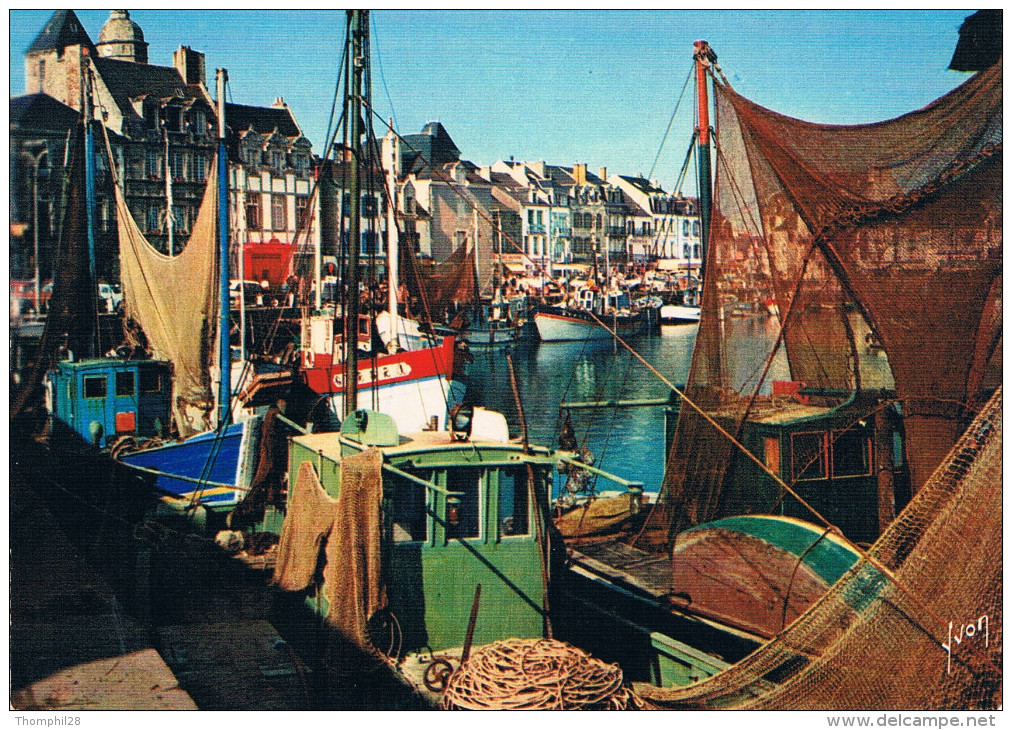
(162, 128)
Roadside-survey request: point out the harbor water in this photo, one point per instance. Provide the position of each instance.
(628, 441)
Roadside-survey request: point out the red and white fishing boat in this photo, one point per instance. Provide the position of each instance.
(409, 381)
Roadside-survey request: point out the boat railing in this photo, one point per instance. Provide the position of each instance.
(628, 484)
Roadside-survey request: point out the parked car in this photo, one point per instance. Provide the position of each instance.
(251, 289)
(112, 295)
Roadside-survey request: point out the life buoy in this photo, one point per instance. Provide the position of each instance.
(308, 359)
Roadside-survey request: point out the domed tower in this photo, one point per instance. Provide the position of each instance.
(121, 38)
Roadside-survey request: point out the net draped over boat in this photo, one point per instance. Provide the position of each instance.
(347, 532)
(930, 638)
(72, 307)
(888, 233)
(174, 299)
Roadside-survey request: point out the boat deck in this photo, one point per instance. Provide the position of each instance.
(630, 567)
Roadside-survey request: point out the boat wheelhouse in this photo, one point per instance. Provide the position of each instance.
(104, 399)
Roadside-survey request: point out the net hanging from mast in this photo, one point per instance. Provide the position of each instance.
(174, 299)
(887, 233)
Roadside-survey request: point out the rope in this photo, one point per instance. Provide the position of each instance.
(537, 674)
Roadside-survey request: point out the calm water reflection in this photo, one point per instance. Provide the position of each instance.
(628, 442)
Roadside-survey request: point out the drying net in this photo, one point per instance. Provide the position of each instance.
(72, 305)
(344, 532)
(928, 638)
(174, 299)
(885, 235)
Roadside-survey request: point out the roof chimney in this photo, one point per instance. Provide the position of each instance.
(190, 65)
(580, 173)
(279, 103)
(603, 173)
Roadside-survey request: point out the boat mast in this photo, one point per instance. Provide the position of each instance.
(704, 56)
(391, 162)
(169, 218)
(358, 21)
(224, 351)
(89, 198)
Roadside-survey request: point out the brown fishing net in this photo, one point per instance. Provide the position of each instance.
(347, 532)
(174, 299)
(71, 321)
(919, 626)
(887, 235)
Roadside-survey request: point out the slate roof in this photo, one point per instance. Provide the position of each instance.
(433, 146)
(61, 30)
(40, 113)
(127, 80)
(642, 183)
(262, 120)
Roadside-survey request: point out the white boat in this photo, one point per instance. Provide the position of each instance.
(679, 314)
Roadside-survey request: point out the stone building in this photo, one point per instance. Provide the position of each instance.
(163, 128)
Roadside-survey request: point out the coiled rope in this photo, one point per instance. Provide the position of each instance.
(537, 674)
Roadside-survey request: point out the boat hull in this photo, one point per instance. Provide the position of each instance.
(212, 458)
(679, 314)
(556, 324)
(411, 386)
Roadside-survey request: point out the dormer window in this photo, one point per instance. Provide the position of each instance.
(173, 119)
(251, 156)
(277, 159)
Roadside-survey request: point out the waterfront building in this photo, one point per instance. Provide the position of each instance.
(661, 225)
(162, 125)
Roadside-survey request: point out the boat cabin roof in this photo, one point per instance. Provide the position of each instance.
(333, 446)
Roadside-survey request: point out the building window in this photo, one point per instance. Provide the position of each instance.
(279, 221)
(369, 239)
(251, 157)
(177, 165)
(153, 165)
(597, 222)
(695, 228)
(368, 206)
(153, 218)
(173, 117)
(124, 384)
(277, 159)
(302, 212)
(199, 168)
(198, 124)
(253, 222)
(95, 386)
(513, 503)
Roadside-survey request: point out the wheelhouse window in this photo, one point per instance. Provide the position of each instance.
(406, 514)
(462, 510)
(125, 384)
(151, 380)
(513, 503)
(808, 455)
(851, 454)
(95, 386)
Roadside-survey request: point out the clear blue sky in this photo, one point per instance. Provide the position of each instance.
(590, 86)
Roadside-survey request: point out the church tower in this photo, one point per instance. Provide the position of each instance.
(122, 39)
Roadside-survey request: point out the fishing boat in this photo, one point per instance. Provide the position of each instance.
(207, 469)
(884, 446)
(403, 367)
(591, 314)
(406, 549)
